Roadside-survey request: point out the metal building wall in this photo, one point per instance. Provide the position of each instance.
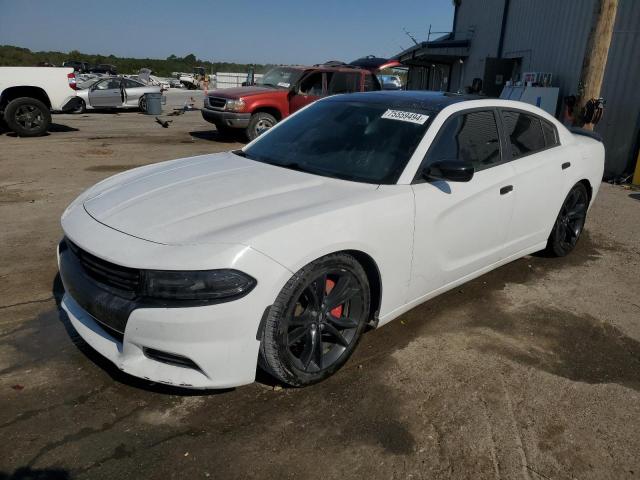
(550, 36)
(620, 124)
(480, 21)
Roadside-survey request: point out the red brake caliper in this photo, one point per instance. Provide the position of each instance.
(337, 311)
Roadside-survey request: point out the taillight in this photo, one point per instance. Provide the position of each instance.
(71, 77)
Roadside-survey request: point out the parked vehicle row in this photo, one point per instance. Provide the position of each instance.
(346, 215)
(84, 67)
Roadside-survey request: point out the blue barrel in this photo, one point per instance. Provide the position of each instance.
(154, 103)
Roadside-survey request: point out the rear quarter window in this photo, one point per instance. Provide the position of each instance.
(550, 134)
(524, 133)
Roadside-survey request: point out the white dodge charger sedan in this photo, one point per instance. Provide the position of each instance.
(357, 208)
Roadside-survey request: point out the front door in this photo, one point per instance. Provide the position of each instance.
(461, 227)
(311, 88)
(106, 93)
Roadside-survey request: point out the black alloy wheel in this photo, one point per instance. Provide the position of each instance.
(570, 222)
(28, 117)
(317, 320)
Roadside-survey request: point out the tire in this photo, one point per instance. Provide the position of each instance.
(260, 122)
(82, 108)
(142, 104)
(308, 335)
(569, 223)
(27, 117)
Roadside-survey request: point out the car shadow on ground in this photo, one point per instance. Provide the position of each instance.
(215, 136)
(53, 128)
(635, 196)
(28, 473)
(108, 367)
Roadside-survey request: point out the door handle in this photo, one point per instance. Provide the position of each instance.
(506, 189)
(566, 165)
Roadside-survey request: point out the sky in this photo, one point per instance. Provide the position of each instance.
(243, 31)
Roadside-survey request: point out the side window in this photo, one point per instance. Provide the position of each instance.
(550, 134)
(110, 84)
(102, 85)
(312, 85)
(524, 132)
(344, 82)
(470, 137)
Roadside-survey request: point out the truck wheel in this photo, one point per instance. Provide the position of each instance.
(260, 122)
(27, 116)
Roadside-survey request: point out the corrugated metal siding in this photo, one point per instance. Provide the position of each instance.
(621, 90)
(550, 36)
(481, 21)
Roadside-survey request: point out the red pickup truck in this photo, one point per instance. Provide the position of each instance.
(283, 90)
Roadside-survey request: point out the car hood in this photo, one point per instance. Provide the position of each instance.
(246, 92)
(219, 198)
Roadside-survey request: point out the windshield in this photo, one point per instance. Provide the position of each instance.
(351, 140)
(280, 77)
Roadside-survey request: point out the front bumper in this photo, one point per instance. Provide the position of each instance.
(226, 119)
(220, 341)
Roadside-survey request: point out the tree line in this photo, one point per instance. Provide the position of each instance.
(22, 57)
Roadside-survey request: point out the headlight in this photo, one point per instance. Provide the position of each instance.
(225, 284)
(235, 105)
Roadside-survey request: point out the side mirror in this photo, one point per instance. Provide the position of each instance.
(450, 170)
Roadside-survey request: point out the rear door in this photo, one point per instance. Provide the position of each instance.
(537, 158)
(344, 82)
(461, 227)
(106, 93)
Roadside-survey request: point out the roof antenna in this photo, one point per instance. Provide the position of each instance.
(410, 36)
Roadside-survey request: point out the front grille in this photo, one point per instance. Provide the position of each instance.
(124, 279)
(216, 102)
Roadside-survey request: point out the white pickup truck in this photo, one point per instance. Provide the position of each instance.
(28, 95)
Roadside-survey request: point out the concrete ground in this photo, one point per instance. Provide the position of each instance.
(531, 371)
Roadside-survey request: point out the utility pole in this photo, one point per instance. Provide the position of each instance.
(595, 58)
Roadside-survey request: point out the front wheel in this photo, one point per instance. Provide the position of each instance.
(142, 104)
(27, 117)
(316, 321)
(260, 122)
(569, 223)
(82, 108)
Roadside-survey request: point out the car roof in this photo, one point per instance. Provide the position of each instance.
(417, 99)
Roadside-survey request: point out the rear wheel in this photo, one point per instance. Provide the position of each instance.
(315, 323)
(260, 122)
(27, 116)
(569, 223)
(142, 104)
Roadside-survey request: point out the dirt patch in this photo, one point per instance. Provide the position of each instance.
(98, 151)
(578, 347)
